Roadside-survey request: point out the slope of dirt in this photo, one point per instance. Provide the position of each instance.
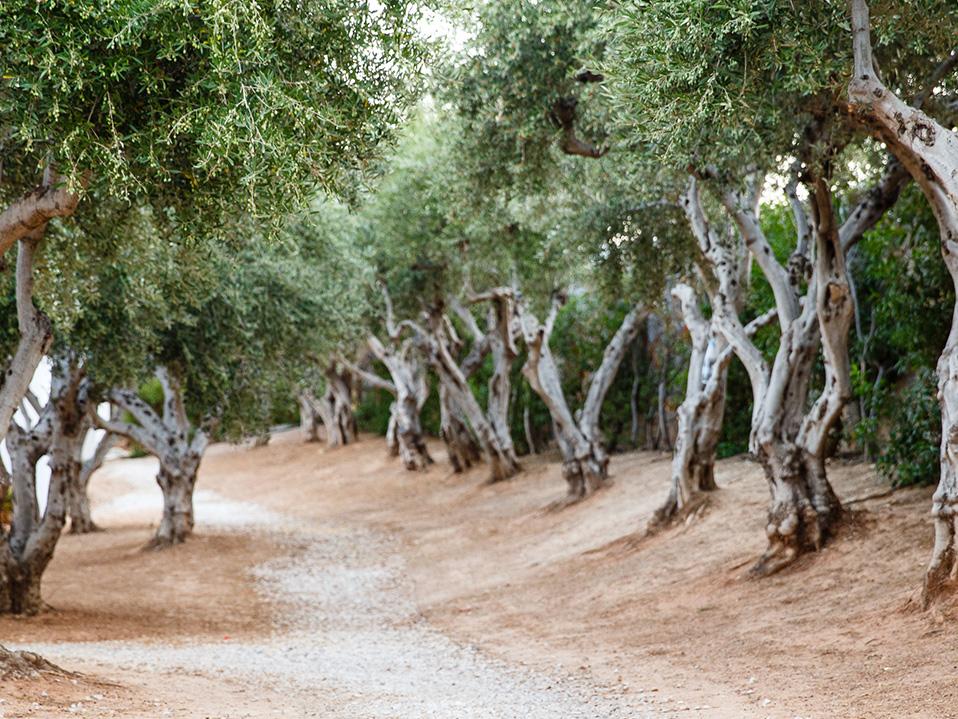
(658, 627)
(833, 636)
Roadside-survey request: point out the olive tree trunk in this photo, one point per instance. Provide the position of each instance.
(585, 462)
(24, 223)
(700, 415)
(435, 342)
(309, 417)
(169, 437)
(929, 152)
(789, 441)
(78, 500)
(461, 446)
(341, 424)
(499, 339)
(29, 546)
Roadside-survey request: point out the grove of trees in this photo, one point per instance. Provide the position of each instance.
(697, 227)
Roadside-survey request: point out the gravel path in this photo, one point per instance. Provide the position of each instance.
(350, 643)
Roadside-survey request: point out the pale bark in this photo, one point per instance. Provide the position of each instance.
(32, 539)
(435, 342)
(787, 440)
(36, 333)
(78, 500)
(410, 389)
(500, 338)
(167, 436)
(585, 461)
(28, 216)
(337, 401)
(461, 446)
(929, 151)
(309, 418)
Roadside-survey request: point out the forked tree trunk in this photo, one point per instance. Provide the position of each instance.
(803, 509)
(408, 386)
(500, 335)
(585, 462)
(435, 342)
(929, 151)
(78, 500)
(26, 552)
(461, 447)
(168, 438)
(700, 414)
(789, 442)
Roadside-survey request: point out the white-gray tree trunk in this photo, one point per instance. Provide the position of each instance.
(461, 446)
(169, 437)
(78, 499)
(789, 442)
(585, 462)
(309, 418)
(700, 414)
(929, 152)
(28, 548)
(435, 341)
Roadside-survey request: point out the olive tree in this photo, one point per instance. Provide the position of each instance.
(208, 110)
(928, 150)
(268, 307)
(731, 92)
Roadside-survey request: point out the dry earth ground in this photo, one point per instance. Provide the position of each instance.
(569, 612)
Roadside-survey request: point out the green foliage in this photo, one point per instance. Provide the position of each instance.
(211, 106)
(521, 61)
(727, 82)
(906, 299)
(910, 454)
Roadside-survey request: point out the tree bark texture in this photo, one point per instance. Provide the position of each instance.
(461, 446)
(585, 462)
(78, 500)
(435, 342)
(29, 546)
(309, 418)
(788, 441)
(169, 437)
(929, 152)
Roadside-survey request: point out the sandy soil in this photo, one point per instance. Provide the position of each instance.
(394, 594)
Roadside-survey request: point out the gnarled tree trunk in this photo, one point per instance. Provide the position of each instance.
(171, 439)
(435, 342)
(334, 409)
(787, 440)
(929, 152)
(340, 424)
(499, 338)
(309, 417)
(408, 386)
(26, 552)
(585, 462)
(78, 500)
(24, 223)
(461, 446)
(700, 414)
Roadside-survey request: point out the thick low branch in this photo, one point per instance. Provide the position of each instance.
(33, 211)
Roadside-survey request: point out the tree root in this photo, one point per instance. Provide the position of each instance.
(671, 515)
(158, 544)
(23, 664)
(85, 528)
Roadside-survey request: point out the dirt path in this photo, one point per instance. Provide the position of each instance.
(347, 639)
(332, 583)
